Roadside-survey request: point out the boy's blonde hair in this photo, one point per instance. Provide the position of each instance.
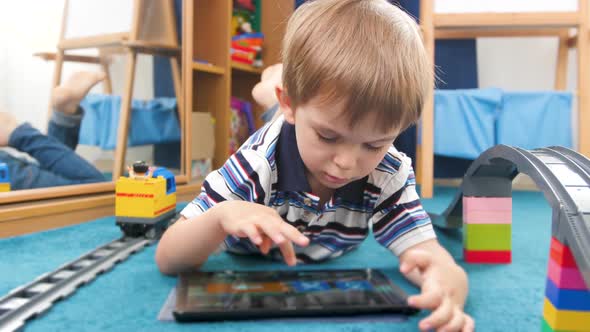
(366, 54)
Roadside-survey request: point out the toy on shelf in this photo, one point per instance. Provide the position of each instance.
(4, 178)
(145, 201)
(246, 43)
(247, 49)
(245, 16)
(241, 123)
(246, 4)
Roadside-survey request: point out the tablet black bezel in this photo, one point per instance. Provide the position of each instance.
(183, 313)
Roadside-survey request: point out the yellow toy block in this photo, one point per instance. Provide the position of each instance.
(143, 198)
(565, 319)
(4, 187)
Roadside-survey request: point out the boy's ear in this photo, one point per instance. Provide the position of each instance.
(285, 105)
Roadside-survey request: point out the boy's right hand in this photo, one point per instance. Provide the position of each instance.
(262, 225)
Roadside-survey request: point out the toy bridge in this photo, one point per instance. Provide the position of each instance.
(483, 207)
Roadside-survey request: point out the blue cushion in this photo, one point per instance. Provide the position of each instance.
(464, 121)
(535, 119)
(153, 121)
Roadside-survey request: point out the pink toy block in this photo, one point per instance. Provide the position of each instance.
(487, 210)
(487, 203)
(487, 217)
(565, 277)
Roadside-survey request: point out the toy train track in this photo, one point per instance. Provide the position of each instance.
(35, 298)
(561, 174)
(145, 205)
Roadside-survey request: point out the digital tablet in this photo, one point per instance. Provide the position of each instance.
(233, 295)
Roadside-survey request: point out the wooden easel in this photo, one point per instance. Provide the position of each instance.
(152, 30)
(504, 24)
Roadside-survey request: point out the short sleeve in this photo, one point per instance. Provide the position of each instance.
(399, 221)
(245, 176)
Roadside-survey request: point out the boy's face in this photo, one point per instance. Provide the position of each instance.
(334, 153)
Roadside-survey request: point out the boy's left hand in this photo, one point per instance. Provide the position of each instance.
(436, 294)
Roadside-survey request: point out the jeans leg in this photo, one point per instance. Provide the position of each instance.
(66, 127)
(53, 156)
(26, 175)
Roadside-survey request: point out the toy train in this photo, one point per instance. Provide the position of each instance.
(4, 178)
(145, 201)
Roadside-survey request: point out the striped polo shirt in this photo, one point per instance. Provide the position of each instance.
(268, 170)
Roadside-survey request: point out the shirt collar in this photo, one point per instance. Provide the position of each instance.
(291, 170)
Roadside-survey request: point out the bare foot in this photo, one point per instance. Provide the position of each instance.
(264, 91)
(7, 125)
(67, 96)
(273, 72)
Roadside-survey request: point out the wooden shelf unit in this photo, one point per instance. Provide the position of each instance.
(208, 68)
(246, 68)
(210, 77)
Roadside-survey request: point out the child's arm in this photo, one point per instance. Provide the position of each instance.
(443, 284)
(189, 242)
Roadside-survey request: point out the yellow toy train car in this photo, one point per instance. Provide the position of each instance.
(145, 201)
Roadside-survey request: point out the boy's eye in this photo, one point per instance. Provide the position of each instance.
(372, 148)
(326, 138)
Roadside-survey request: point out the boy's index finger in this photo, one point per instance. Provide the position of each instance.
(294, 234)
(277, 228)
(272, 231)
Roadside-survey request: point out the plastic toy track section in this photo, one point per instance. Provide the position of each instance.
(31, 300)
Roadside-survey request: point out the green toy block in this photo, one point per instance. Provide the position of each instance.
(493, 237)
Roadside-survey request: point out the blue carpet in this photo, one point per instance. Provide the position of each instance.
(128, 298)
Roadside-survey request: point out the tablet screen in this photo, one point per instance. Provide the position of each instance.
(235, 295)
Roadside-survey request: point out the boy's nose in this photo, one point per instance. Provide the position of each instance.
(345, 160)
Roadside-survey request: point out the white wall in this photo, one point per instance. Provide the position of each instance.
(521, 63)
(29, 26)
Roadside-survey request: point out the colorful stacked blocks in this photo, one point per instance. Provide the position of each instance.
(4, 178)
(567, 298)
(487, 236)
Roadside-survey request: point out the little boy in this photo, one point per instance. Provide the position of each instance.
(310, 184)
